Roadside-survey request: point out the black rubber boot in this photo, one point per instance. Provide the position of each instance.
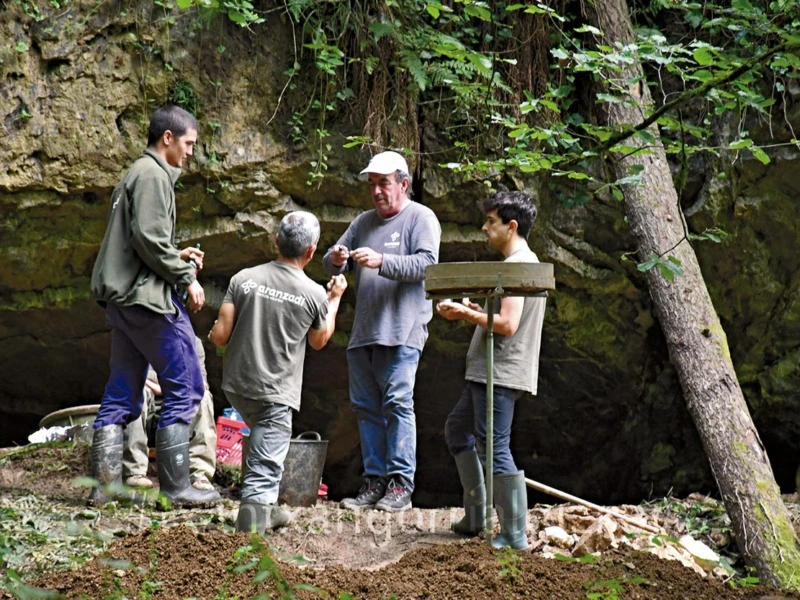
(172, 460)
(258, 518)
(106, 463)
(511, 502)
(471, 474)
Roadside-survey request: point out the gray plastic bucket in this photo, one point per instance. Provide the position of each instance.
(302, 470)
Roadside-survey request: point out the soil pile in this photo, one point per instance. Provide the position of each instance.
(50, 540)
(182, 562)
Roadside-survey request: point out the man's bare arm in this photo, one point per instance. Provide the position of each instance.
(505, 323)
(223, 327)
(317, 338)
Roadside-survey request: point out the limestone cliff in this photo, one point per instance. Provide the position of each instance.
(77, 83)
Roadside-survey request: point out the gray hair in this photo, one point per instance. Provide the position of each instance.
(399, 175)
(299, 231)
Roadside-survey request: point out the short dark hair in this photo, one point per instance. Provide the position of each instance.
(172, 118)
(513, 205)
(299, 231)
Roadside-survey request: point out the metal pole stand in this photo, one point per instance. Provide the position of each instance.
(488, 467)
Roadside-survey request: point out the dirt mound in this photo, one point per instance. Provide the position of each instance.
(50, 540)
(182, 562)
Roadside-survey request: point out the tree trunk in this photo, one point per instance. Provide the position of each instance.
(698, 347)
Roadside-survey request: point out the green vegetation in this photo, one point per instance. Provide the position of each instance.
(514, 86)
(699, 517)
(510, 562)
(241, 12)
(182, 94)
(610, 589)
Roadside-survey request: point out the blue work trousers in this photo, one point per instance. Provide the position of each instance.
(382, 398)
(465, 428)
(142, 337)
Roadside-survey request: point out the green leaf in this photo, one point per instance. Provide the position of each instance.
(577, 175)
(743, 6)
(762, 156)
(703, 75)
(610, 99)
(84, 482)
(481, 61)
(21, 47)
(629, 180)
(675, 262)
(740, 144)
(714, 234)
(380, 30)
(480, 12)
(590, 29)
(564, 557)
(669, 268)
(648, 264)
(417, 71)
(433, 10)
(666, 273)
(551, 105)
(703, 56)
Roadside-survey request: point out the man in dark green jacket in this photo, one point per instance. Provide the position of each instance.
(136, 276)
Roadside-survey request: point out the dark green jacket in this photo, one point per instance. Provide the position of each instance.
(138, 263)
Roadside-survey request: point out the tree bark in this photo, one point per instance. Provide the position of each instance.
(698, 347)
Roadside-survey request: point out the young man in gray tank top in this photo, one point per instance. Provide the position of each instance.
(518, 336)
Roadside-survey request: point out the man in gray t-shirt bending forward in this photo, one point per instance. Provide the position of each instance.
(268, 313)
(388, 248)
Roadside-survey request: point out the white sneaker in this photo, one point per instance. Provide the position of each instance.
(139, 481)
(203, 484)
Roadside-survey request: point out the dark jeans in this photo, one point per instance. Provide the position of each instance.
(141, 337)
(465, 428)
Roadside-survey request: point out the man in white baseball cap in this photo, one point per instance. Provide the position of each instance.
(388, 248)
(387, 163)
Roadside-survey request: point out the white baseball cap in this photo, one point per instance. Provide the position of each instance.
(387, 163)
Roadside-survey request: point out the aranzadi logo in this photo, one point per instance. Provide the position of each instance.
(248, 285)
(270, 293)
(395, 243)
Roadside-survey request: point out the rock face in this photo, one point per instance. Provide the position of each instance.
(609, 422)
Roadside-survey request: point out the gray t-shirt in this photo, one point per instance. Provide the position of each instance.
(275, 305)
(516, 358)
(391, 309)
